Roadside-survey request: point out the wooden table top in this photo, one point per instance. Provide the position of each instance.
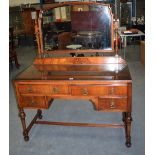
(76, 72)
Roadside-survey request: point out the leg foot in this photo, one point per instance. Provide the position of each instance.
(128, 144)
(40, 116)
(26, 138)
(25, 134)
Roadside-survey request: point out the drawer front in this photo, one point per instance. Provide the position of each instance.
(34, 102)
(30, 88)
(58, 89)
(43, 89)
(117, 90)
(96, 90)
(112, 104)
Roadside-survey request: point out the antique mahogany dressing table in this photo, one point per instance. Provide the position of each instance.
(103, 80)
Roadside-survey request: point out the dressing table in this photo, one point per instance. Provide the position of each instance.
(104, 80)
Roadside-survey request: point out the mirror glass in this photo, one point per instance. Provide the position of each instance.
(77, 27)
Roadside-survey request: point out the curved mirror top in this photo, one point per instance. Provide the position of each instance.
(79, 26)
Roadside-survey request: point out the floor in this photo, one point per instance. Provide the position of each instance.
(59, 140)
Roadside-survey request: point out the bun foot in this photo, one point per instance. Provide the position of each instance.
(26, 138)
(40, 116)
(128, 144)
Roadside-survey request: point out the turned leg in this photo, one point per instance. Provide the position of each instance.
(22, 116)
(123, 116)
(39, 114)
(128, 120)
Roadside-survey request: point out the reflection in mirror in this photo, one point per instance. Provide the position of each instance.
(78, 27)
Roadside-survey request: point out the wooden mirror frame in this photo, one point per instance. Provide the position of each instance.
(39, 37)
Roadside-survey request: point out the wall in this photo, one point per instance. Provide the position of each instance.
(18, 2)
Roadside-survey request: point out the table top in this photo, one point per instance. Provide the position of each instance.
(140, 33)
(74, 46)
(73, 73)
(89, 33)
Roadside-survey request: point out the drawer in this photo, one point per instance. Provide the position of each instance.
(35, 102)
(117, 90)
(59, 89)
(33, 88)
(43, 89)
(112, 104)
(98, 90)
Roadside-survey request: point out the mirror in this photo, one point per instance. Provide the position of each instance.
(81, 26)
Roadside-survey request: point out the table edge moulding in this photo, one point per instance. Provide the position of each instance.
(103, 80)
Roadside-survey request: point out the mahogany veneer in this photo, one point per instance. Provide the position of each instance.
(105, 83)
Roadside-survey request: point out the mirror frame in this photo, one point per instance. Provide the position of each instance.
(39, 22)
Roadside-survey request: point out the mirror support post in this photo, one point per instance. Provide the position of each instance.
(116, 29)
(116, 35)
(38, 33)
(37, 37)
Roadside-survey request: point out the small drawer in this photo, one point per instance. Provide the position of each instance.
(35, 102)
(112, 104)
(98, 90)
(89, 90)
(33, 88)
(42, 89)
(117, 90)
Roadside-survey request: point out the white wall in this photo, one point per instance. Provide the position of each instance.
(18, 2)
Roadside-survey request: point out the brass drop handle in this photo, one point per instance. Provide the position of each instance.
(55, 90)
(32, 101)
(30, 89)
(112, 105)
(112, 90)
(85, 91)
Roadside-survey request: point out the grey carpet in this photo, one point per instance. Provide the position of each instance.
(59, 140)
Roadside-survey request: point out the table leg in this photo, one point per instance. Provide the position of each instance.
(128, 120)
(123, 116)
(140, 38)
(22, 116)
(39, 114)
(124, 51)
(16, 62)
(125, 42)
(73, 54)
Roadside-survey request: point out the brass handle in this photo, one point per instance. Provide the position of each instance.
(85, 91)
(55, 90)
(112, 90)
(112, 105)
(30, 89)
(32, 101)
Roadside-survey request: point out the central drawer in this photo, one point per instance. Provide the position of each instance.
(43, 89)
(98, 90)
